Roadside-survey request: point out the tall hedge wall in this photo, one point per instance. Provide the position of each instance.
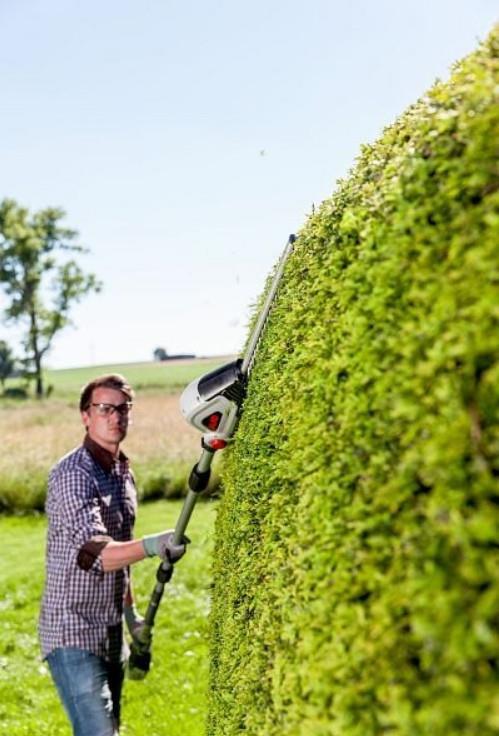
(357, 552)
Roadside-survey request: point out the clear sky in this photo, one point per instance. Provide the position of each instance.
(185, 140)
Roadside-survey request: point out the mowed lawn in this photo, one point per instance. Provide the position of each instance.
(171, 701)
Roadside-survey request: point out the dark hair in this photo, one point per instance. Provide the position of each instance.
(110, 380)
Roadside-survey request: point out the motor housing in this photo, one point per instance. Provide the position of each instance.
(212, 403)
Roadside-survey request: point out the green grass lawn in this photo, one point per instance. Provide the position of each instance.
(171, 701)
(167, 375)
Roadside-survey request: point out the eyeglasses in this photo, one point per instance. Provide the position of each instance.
(107, 410)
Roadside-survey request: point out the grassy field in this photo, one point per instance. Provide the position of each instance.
(164, 376)
(160, 443)
(172, 699)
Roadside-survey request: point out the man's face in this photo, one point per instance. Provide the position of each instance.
(107, 431)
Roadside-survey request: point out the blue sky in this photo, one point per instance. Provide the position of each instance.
(186, 140)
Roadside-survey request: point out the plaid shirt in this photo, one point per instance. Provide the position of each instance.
(91, 499)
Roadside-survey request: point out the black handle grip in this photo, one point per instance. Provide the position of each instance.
(198, 480)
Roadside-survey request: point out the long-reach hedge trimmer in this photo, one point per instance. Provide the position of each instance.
(212, 404)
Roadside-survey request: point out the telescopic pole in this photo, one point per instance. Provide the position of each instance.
(140, 651)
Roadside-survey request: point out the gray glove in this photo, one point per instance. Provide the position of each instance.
(163, 546)
(134, 622)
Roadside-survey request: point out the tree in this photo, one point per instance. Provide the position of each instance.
(160, 354)
(7, 362)
(29, 246)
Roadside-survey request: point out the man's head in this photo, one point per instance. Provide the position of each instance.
(105, 405)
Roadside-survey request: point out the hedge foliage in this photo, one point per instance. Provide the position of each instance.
(357, 554)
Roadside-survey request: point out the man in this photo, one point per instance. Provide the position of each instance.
(91, 505)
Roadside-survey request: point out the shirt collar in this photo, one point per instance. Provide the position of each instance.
(103, 457)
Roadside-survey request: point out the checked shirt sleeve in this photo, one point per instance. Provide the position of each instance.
(75, 505)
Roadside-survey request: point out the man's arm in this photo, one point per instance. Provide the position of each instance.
(117, 555)
(134, 620)
(129, 599)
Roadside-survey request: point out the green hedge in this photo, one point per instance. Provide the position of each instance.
(357, 569)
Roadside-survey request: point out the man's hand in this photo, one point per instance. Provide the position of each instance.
(134, 622)
(162, 545)
(140, 654)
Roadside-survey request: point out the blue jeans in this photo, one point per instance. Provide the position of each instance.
(90, 690)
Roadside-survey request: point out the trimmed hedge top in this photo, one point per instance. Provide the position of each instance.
(357, 567)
